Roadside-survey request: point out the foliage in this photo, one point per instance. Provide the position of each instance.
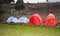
(6, 1)
(2, 10)
(1, 19)
(19, 5)
(58, 5)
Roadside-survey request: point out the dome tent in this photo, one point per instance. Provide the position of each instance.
(23, 20)
(12, 19)
(35, 20)
(51, 20)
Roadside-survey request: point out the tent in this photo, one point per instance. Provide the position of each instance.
(51, 20)
(35, 20)
(23, 20)
(12, 19)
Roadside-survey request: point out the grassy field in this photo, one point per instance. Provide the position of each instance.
(22, 30)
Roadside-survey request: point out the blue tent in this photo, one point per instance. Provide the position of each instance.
(23, 20)
(12, 19)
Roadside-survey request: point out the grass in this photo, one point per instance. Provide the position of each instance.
(24, 30)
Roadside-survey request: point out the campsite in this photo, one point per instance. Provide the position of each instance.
(35, 29)
(29, 17)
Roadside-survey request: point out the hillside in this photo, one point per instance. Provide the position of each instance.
(41, 8)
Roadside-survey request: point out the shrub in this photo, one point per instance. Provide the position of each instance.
(57, 6)
(2, 10)
(1, 19)
(19, 5)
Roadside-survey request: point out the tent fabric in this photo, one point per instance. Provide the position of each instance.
(23, 20)
(12, 19)
(35, 19)
(51, 16)
(50, 20)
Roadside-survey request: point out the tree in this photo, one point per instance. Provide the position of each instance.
(19, 5)
(6, 1)
(1, 1)
(47, 0)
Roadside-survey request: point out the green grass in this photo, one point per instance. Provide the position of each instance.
(22, 30)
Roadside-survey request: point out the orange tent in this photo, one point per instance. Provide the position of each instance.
(51, 20)
(35, 19)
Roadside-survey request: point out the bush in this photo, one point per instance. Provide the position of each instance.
(57, 6)
(2, 10)
(6, 1)
(19, 5)
(1, 19)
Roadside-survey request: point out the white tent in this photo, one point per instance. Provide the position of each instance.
(12, 19)
(23, 20)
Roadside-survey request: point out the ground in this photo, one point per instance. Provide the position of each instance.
(24, 30)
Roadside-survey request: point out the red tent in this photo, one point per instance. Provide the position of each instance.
(50, 20)
(35, 19)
